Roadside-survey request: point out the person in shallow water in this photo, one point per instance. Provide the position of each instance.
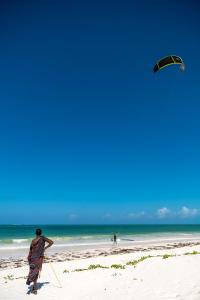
(36, 256)
(114, 239)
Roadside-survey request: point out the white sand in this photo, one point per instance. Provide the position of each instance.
(152, 279)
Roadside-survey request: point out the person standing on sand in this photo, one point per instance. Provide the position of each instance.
(35, 257)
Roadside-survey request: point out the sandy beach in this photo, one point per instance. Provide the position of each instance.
(169, 271)
(99, 150)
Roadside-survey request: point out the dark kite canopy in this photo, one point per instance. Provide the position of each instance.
(167, 61)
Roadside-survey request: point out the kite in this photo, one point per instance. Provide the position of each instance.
(167, 61)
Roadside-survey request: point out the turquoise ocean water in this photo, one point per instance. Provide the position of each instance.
(15, 239)
(15, 233)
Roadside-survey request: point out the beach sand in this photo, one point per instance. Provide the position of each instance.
(164, 272)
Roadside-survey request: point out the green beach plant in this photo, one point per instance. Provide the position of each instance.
(132, 263)
(65, 271)
(115, 266)
(192, 253)
(165, 256)
(135, 262)
(9, 277)
(144, 257)
(93, 267)
(79, 270)
(21, 277)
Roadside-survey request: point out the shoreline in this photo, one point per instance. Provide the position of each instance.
(19, 248)
(71, 255)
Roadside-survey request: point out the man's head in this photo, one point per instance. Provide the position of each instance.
(38, 231)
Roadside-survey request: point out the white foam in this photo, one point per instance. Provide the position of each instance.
(19, 241)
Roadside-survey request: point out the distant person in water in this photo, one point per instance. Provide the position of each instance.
(114, 239)
(36, 256)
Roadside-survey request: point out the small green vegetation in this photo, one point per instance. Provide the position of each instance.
(9, 277)
(65, 271)
(165, 256)
(21, 277)
(144, 257)
(115, 266)
(79, 270)
(132, 263)
(93, 267)
(192, 253)
(135, 262)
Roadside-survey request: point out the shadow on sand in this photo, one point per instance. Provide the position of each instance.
(39, 286)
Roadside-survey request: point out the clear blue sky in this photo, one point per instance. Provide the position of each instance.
(88, 134)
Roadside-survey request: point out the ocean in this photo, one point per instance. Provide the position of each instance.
(16, 238)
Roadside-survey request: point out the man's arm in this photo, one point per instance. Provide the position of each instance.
(50, 243)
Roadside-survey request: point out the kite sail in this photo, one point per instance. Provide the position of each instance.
(167, 61)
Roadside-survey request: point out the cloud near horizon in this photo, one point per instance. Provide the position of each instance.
(166, 213)
(186, 212)
(163, 212)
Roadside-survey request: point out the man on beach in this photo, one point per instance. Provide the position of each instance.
(35, 258)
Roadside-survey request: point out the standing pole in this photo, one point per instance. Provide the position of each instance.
(54, 272)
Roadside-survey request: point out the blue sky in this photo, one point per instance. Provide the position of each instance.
(88, 134)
